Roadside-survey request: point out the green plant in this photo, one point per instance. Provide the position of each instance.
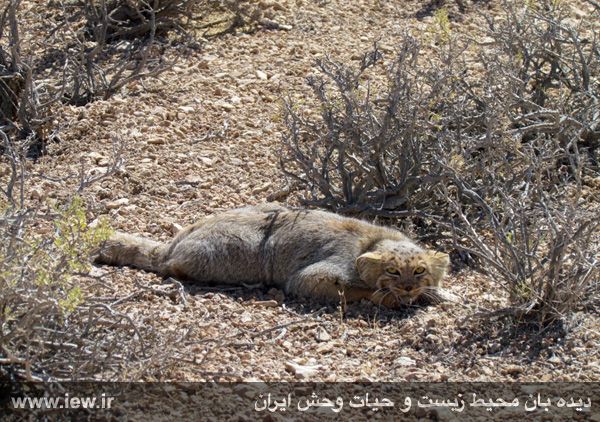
(50, 326)
(441, 23)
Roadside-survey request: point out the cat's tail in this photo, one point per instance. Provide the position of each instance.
(125, 249)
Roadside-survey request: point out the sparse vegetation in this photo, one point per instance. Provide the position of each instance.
(483, 142)
(491, 155)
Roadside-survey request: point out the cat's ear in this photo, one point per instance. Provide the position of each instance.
(366, 261)
(440, 262)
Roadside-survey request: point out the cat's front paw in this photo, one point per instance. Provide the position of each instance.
(386, 298)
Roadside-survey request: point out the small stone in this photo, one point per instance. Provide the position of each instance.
(186, 109)
(95, 157)
(261, 75)
(206, 161)
(225, 105)
(117, 203)
(406, 361)
(97, 272)
(156, 141)
(301, 371)
(326, 347)
(261, 189)
(193, 179)
(37, 194)
(554, 359)
(266, 303)
(486, 371)
(175, 228)
(322, 335)
(512, 370)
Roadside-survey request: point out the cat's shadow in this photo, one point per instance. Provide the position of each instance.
(302, 305)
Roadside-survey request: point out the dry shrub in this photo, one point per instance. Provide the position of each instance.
(492, 153)
(52, 324)
(49, 327)
(118, 19)
(105, 46)
(22, 113)
(59, 321)
(93, 50)
(83, 68)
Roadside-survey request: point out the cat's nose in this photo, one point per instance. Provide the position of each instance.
(408, 288)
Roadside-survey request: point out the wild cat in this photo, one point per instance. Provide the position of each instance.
(310, 253)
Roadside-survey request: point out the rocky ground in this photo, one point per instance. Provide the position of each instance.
(205, 137)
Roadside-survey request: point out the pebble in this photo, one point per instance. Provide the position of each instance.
(266, 303)
(186, 109)
(225, 105)
(117, 203)
(512, 370)
(261, 75)
(193, 179)
(326, 347)
(406, 361)
(301, 371)
(322, 335)
(96, 157)
(261, 189)
(156, 141)
(175, 228)
(37, 194)
(554, 359)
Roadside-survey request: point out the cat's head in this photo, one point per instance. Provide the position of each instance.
(402, 269)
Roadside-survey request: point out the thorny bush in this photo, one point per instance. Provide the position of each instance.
(491, 144)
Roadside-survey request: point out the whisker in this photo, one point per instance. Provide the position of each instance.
(381, 290)
(434, 294)
(385, 292)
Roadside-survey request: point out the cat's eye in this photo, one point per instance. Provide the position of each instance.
(419, 270)
(392, 270)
